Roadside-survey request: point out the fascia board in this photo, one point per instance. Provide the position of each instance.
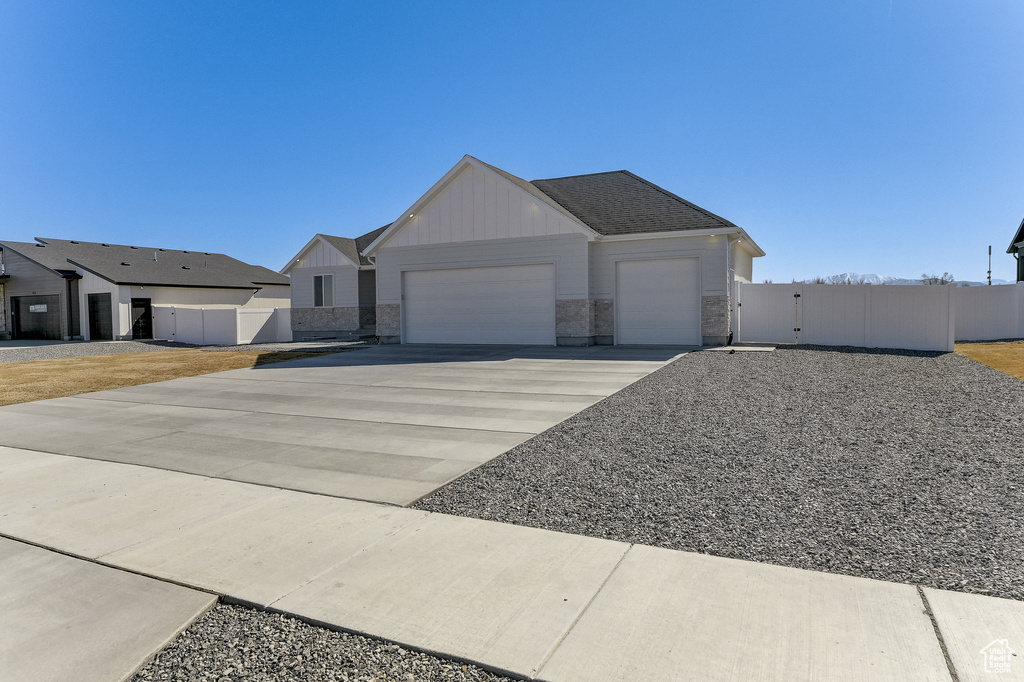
(318, 238)
(747, 242)
(418, 204)
(297, 257)
(438, 186)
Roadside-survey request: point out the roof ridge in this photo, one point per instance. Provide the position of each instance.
(580, 175)
(680, 199)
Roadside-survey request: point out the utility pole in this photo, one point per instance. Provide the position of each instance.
(990, 265)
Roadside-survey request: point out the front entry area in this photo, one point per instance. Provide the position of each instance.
(142, 318)
(36, 317)
(101, 320)
(658, 301)
(508, 305)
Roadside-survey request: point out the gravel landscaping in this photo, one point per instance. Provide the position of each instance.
(900, 466)
(23, 351)
(238, 643)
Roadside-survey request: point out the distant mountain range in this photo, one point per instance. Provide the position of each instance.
(855, 277)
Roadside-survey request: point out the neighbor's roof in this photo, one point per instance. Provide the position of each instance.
(353, 248)
(1017, 245)
(147, 266)
(619, 202)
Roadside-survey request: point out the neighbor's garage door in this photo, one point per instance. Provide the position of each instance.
(508, 304)
(36, 317)
(658, 301)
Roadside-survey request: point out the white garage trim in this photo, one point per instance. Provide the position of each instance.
(500, 304)
(657, 301)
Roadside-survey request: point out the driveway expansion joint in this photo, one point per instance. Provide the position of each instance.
(954, 676)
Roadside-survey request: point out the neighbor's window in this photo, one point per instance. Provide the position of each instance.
(323, 291)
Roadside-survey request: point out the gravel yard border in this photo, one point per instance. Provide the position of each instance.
(894, 465)
(232, 642)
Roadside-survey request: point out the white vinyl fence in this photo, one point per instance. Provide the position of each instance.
(887, 316)
(988, 313)
(222, 326)
(890, 316)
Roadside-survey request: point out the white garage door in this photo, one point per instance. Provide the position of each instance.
(658, 301)
(508, 304)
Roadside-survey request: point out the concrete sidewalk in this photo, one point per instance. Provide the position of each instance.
(531, 602)
(385, 423)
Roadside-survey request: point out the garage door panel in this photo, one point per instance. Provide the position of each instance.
(658, 301)
(505, 304)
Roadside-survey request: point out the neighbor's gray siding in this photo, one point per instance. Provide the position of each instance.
(567, 252)
(4, 329)
(28, 278)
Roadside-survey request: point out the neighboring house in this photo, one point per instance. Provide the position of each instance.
(334, 287)
(486, 257)
(1017, 248)
(61, 289)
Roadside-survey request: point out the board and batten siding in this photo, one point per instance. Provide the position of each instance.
(568, 252)
(478, 204)
(709, 250)
(322, 256)
(346, 283)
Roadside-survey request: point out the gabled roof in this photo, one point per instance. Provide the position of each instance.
(465, 161)
(353, 248)
(619, 202)
(1017, 245)
(147, 266)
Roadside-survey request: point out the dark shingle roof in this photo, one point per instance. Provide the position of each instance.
(619, 202)
(151, 266)
(353, 248)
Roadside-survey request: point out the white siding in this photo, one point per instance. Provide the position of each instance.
(346, 286)
(478, 204)
(742, 264)
(267, 297)
(567, 252)
(710, 251)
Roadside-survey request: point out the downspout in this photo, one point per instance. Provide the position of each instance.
(731, 278)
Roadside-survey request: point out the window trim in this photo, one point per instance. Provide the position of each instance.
(323, 290)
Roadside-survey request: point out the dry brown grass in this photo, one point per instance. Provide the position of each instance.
(1006, 357)
(22, 382)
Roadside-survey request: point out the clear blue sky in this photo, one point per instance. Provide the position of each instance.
(876, 136)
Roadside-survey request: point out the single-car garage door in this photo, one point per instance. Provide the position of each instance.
(36, 317)
(507, 304)
(658, 301)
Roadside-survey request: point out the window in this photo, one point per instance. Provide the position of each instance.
(323, 291)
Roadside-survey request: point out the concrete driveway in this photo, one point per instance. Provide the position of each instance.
(385, 424)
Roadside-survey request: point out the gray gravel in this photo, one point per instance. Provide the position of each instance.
(23, 351)
(898, 466)
(238, 643)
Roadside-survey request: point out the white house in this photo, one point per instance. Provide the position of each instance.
(65, 289)
(487, 257)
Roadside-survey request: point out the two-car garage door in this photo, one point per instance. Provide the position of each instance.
(657, 301)
(506, 304)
